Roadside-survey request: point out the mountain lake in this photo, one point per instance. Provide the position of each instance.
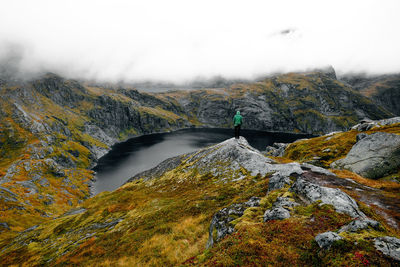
(141, 153)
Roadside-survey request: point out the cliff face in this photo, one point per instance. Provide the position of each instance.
(53, 129)
(384, 90)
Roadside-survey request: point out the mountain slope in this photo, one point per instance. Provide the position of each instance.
(307, 103)
(383, 90)
(229, 193)
(53, 129)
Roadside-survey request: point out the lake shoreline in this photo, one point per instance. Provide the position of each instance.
(170, 143)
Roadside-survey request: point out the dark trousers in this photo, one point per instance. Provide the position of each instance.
(237, 131)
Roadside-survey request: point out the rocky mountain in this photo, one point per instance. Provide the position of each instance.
(306, 102)
(53, 130)
(382, 89)
(229, 204)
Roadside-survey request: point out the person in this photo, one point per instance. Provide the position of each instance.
(237, 122)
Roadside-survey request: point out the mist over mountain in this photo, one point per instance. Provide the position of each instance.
(113, 41)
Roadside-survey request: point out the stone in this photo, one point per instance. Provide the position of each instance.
(367, 124)
(276, 214)
(360, 224)
(74, 211)
(284, 202)
(276, 150)
(333, 196)
(221, 222)
(31, 187)
(325, 240)
(376, 155)
(4, 225)
(389, 246)
(316, 169)
(278, 181)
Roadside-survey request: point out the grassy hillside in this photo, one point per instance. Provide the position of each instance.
(165, 221)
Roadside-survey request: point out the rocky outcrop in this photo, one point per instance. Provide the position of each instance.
(228, 157)
(373, 156)
(276, 214)
(280, 209)
(276, 150)
(360, 224)
(325, 240)
(366, 125)
(221, 222)
(282, 103)
(333, 196)
(382, 89)
(389, 246)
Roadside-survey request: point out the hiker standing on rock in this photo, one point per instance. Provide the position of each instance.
(237, 122)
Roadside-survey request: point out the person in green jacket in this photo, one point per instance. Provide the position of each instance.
(237, 122)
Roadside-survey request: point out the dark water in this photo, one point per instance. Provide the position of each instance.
(142, 153)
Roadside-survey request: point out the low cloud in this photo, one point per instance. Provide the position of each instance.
(178, 41)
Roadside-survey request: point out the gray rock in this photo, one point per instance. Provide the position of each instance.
(374, 156)
(360, 224)
(74, 211)
(389, 246)
(341, 201)
(325, 240)
(7, 195)
(221, 221)
(276, 214)
(276, 150)
(44, 182)
(361, 136)
(278, 181)
(109, 225)
(313, 168)
(4, 225)
(32, 188)
(284, 202)
(30, 229)
(365, 125)
(229, 156)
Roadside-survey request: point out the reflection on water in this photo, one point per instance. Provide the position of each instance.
(142, 153)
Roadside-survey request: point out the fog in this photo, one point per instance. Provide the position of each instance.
(177, 41)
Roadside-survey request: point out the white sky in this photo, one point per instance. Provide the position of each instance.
(180, 40)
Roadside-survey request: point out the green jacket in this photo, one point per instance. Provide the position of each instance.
(237, 119)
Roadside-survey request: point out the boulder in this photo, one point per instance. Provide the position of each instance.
(276, 214)
(374, 156)
(325, 240)
(341, 201)
(360, 224)
(284, 202)
(389, 246)
(221, 222)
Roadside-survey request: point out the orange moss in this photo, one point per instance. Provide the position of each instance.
(379, 184)
(281, 160)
